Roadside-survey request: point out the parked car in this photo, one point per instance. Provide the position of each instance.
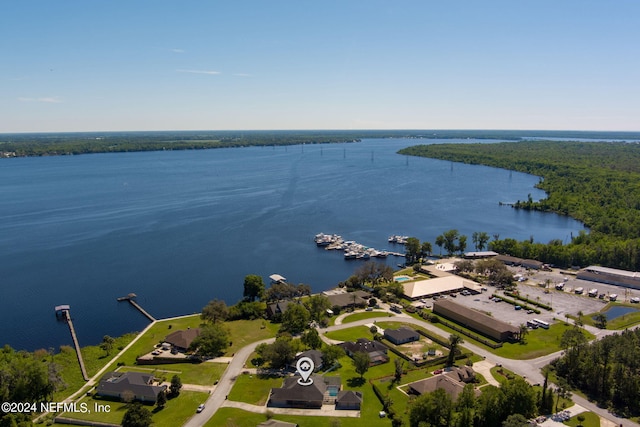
(200, 408)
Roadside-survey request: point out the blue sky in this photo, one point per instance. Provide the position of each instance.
(415, 64)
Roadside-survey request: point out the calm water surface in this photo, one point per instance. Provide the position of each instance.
(181, 228)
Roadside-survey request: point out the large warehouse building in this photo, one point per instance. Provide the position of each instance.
(611, 276)
(475, 320)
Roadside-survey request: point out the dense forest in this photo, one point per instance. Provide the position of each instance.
(23, 145)
(597, 183)
(607, 370)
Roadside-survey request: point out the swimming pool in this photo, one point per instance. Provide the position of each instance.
(401, 278)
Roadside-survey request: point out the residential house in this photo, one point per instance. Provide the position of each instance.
(349, 299)
(130, 386)
(278, 308)
(181, 340)
(349, 400)
(451, 382)
(323, 390)
(401, 335)
(376, 351)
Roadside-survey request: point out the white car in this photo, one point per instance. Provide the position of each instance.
(200, 408)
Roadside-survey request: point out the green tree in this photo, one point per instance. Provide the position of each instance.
(434, 409)
(253, 287)
(489, 408)
(311, 339)
(295, 319)
(215, 311)
(212, 341)
(175, 386)
(107, 344)
(451, 241)
(412, 250)
(440, 243)
(136, 416)
(519, 397)
(600, 320)
(399, 368)
(454, 343)
(479, 239)
(360, 361)
(331, 354)
(515, 420)
(161, 400)
(523, 330)
(317, 306)
(279, 354)
(426, 249)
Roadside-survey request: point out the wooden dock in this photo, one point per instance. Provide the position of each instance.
(63, 311)
(131, 298)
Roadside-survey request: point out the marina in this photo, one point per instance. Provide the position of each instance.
(353, 249)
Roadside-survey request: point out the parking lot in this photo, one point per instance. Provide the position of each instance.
(565, 301)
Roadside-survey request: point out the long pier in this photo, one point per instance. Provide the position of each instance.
(131, 298)
(64, 311)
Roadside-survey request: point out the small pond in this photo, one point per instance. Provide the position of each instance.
(619, 310)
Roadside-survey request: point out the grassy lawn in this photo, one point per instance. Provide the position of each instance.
(231, 417)
(176, 412)
(244, 332)
(350, 334)
(538, 342)
(590, 420)
(205, 373)
(365, 315)
(94, 358)
(254, 389)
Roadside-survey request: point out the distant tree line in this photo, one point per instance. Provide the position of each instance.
(597, 183)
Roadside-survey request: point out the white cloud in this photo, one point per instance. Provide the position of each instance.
(46, 99)
(209, 72)
(177, 50)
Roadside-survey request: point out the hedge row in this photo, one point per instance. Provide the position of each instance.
(536, 303)
(478, 338)
(514, 302)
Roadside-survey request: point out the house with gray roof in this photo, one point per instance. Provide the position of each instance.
(130, 385)
(323, 390)
(401, 335)
(376, 351)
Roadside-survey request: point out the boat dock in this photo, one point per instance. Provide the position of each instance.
(355, 250)
(63, 313)
(131, 298)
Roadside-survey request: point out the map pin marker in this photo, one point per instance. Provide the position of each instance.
(305, 368)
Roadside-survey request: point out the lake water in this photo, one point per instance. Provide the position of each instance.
(181, 228)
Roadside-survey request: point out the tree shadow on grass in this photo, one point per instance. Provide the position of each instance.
(356, 382)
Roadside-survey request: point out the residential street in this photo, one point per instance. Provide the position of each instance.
(530, 369)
